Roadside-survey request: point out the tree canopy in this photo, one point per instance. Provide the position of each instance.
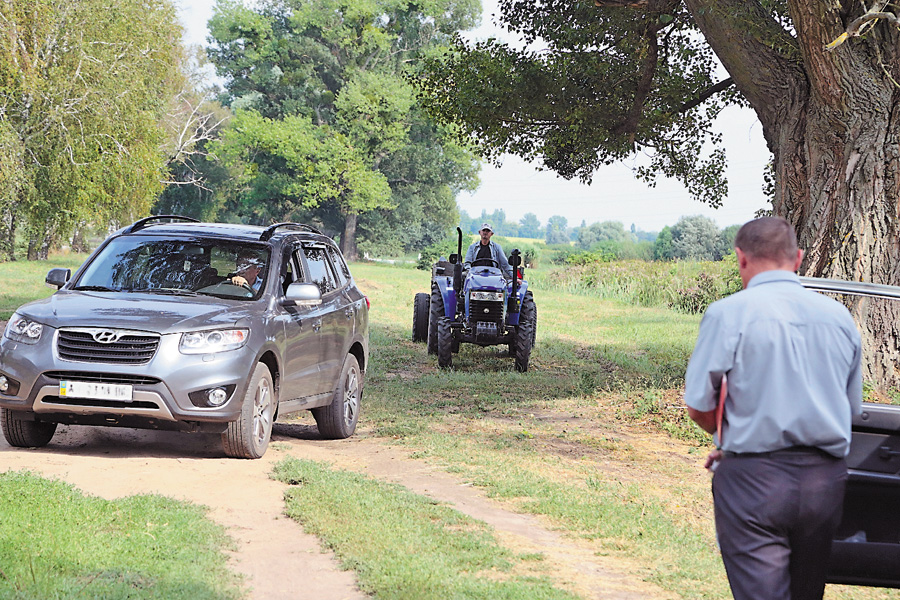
(332, 73)
(83, 93)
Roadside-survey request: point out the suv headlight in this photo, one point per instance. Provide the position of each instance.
(495, 296)
(210, 342)
(22, 329)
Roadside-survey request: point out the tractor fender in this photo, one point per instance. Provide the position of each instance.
(445, 286)
(512, 318)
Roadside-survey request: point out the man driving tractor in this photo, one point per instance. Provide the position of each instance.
(486, 249)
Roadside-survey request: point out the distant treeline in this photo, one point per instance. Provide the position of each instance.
(691, 238)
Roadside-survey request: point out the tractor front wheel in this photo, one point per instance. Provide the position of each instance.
(436, 312)
(444, 343)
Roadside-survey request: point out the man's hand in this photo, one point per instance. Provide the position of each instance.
(712, 460)
(239, 281)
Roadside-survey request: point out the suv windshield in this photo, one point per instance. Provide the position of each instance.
(184, 266)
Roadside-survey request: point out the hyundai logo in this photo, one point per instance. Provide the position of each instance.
(106, 336)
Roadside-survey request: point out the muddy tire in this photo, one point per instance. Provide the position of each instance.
(23, 433)
(444, 343)
(338, 420)
(249, 436)
(421, 306)
(436, 312)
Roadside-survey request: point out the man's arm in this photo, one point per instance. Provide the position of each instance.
(470, 256)
(706, 420)
(501, 260)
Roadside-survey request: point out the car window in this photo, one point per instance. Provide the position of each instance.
(165, 265)
(319, 268)
(340, 267)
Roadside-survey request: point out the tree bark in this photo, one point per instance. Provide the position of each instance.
(832, 123)
(348, 237)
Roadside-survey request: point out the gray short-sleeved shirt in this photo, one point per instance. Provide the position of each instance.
(792, 357)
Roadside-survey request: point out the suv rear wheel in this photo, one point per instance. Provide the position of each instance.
(338, 420)
(23, 433)
(248, 437)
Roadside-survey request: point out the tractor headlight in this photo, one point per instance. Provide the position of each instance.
(492, 296)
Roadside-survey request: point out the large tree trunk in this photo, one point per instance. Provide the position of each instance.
(348, 237)
(832, 122)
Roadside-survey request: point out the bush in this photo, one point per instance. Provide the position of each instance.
(683, 285)
(432, 253)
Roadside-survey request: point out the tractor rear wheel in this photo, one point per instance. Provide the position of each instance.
(436, 312)
(444, 343)
(421, 304)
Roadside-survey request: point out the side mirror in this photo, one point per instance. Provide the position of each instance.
(515, 259)
(303, 294)
(454, 259)
(57, 277)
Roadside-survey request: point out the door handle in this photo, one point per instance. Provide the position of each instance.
(885, 453)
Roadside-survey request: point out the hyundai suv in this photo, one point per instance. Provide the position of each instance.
(181, 325)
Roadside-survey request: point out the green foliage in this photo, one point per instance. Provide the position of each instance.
(57, 543)
(341, 68)
(290, 164)
(557, 230)
(82, 96)
(681, 285)
(433, 253)
(606, 84)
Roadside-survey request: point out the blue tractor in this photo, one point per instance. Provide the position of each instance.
(479, 305)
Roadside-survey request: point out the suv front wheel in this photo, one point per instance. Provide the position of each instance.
(24, 433)
(337, 420)
(248, 437)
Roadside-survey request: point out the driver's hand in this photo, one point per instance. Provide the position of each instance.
(238, 280)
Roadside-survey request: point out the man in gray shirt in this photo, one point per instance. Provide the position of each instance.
(484, 248)
(792, 361)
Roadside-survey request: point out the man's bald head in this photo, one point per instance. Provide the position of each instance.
(770, 239)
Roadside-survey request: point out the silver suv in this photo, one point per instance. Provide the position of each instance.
(181, 325)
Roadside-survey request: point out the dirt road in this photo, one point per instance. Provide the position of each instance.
(276, 557)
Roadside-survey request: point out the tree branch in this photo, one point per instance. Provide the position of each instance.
(706, 94)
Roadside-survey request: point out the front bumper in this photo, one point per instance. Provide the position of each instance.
(161, 387)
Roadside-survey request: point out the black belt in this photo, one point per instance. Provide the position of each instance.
(780, 452)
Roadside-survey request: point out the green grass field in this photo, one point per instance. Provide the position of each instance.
(593, 438)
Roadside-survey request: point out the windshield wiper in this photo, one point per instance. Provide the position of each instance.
(165, 291)
(93, 288)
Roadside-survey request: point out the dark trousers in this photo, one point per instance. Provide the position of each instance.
(776, 514)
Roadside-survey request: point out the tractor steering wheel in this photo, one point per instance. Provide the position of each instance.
(486, 262)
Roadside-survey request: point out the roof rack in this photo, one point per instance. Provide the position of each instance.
(138, 225)
(270, 230)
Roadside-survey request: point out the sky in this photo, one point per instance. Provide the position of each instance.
(518, 187)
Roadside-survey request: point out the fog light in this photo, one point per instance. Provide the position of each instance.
(216, 397)
(4, 383)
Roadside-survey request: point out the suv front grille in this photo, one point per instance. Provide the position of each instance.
(129, 348)
(486, 310)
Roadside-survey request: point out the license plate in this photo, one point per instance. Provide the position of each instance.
(95, 391)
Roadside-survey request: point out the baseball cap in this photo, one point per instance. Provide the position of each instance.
(486, 226)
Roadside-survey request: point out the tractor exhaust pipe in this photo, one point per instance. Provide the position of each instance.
(457, 265)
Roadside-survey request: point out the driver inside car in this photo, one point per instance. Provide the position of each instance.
(248, 269)
(485, 249)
